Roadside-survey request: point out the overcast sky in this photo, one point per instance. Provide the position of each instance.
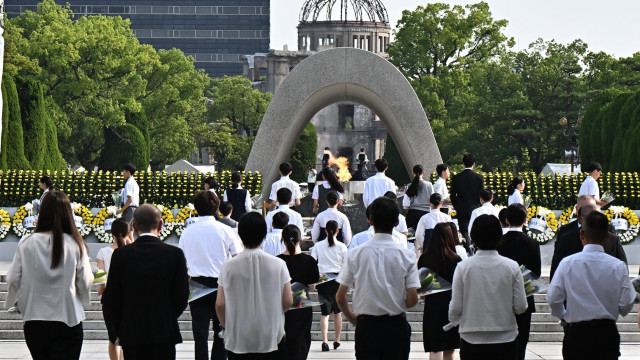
(612, 26)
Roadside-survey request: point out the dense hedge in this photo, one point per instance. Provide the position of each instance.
(304, 153)
(93, 189)
(12, 135)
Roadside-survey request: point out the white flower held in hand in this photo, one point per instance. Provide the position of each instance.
(111, 210)
(75, 206)
(28, 206)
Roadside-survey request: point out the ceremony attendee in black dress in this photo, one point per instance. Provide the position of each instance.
(319, 195)
(465, 193)
(417, 196)
(238, 197)
(302, 269)
(440, 257)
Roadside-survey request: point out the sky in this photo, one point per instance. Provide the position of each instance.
(612, 26)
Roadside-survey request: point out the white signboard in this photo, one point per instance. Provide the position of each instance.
(107, 224)
(620, 224)
(29, 222)
(79, 221)
(538, 224)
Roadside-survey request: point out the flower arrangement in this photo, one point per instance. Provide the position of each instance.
(18, 219)
(5, 224)
(625, 221)
(541, 224)
(167, 220)
(98, 224)
(568, 215)
(87, 218)
(183, 215)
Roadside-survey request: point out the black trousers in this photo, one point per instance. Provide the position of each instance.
(383, 338)
(463, 225)
(502, 351)
(595, 339)
(524, 327)
(203, 310)
(275, 355)
(147, 352)
(297, 326)
(53, 340)
(413, 217)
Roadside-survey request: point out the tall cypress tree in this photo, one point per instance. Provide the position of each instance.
(622, 130)
(123, 144)
(53, 157)
(139, 120)
(632, 144)
(12, 134)
(396, 171)
(33, 121)
(590, 140)
(304, 154)
(610, 116)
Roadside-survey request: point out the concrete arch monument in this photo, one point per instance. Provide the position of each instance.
(342, 74)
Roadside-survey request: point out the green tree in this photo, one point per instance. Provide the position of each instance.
(139, 120)
(12, 134)
(123, 144)
(53, 159)
(610, 115)
(397, 171)
(589, 141)
(34, 120)
(632, 144)
(304, 154)
(622, 127)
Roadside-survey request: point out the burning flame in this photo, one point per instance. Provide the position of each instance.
(342, 163)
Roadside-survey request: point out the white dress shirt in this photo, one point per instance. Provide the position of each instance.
(132, 189)
(285, 181)
(315, 195)
(362, 237)
(487, 292)
(273, 244)
(43, 293)
(402, 224)
(595, 285)
(253, 283)
(382, 271)
(42, 197)
(590, 187)
(247, 200)
(329, 258)
(294, 218)
(105, 254)
(486, 209)
(440, 187)
(207, 246)
(516, 198)
(332, 214)
(375, 187)
(429, 221)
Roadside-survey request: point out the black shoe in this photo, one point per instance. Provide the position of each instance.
(336, 345)
(325, 346)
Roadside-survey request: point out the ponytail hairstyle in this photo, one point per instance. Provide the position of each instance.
(47, 182)
(511, 188)
(120, 229)
(331, 177)
(332, 229)
(414, 189)
(291, 238)
(236, 179)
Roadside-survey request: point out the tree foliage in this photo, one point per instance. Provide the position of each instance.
(397, 171)
(34, 121)
(12, 134)
(124, 144)
(304, 154)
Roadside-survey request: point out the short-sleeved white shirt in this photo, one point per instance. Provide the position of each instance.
(382, 272)
(132, 189)
(329, 258)
(285, 181)
(375, 187)
(315, 195)
(273, 244)
(294, 218)
(253, 283)
(402, 224)
(429, 221)
(207, 246)
(515, 198)
(105, 254)
(486, 209)
(440, 187)
(590, 187)
(332, 214)
(362, 237)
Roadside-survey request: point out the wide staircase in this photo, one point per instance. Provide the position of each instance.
(544, 327)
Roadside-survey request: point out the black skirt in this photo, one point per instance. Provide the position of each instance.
(436, 315)
(413, 218)
(297, 326)
(327, 293)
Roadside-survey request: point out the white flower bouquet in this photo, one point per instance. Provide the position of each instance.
(431, 283)
(301, 297)
(532, 285)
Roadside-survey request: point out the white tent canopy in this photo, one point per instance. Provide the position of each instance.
(560, 169)
(184, 165)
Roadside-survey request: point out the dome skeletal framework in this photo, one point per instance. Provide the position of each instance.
(362, 10)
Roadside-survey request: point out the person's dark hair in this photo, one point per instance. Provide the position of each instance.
(435, 199)
(331, 177)
(516, 214)
(225, 208)
(291, 237)
(384, 214)
(252, 229)
(367, 212)
(441, 168)
(468, 160)
(211, 181)
(147, 218)
(284, 196)
(206, 203)
(595, 227)
(280, 220)
(502, 216)
(332, 198)
(414, 189)
(332, 230)
(286, 168)
(586, 207)
(486, 195)
(56, 216)
(236, 179)
(391, 195)
(47, 182)
(594, 166)
(130, 168)
(381, 165)
(511, 188)
(454, 230)
(120, 229)
(486, 232)
(441, 250)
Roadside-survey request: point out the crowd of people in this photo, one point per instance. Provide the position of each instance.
(249, 262)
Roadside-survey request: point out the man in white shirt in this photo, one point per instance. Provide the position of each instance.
(429, 221)
(590, 184)
(130, 194)
(332, 213)
(378, 184)
(207, 246)
(283, 196)
(487, 208)
(402, 220)
(380, 302)
(273, 243)
(597, 289)
(362, 237)
(440, 186)
(285, 182)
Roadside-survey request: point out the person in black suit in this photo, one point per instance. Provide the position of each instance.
(522, 249)
(146, 292)
(465, 193)
(569, 243)
(582, 201)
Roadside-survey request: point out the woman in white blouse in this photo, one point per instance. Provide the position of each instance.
(330, 254)
(49, 279)
(514, 191)
(254, 291)
(122, 235)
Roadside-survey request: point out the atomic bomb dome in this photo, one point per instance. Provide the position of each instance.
(361, 24)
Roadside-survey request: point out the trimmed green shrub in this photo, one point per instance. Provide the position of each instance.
(33, 121)
(53, 159)
(397, 171)
(590, 140)
(139, 120)
(123, 144)
(304, 154)
(12, 134)
(622, 129)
